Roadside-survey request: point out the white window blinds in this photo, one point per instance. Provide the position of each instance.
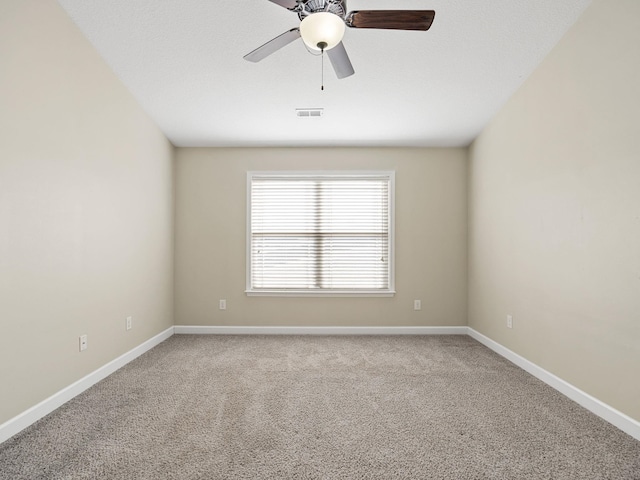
(320, 233)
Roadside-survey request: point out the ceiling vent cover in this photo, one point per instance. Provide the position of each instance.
(309, 112)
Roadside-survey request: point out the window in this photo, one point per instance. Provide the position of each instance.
(320, 233)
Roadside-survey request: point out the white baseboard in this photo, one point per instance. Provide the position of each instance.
(284, 330)
(35, 413)
(604, 411)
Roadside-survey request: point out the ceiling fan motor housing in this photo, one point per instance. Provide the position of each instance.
(306, 8)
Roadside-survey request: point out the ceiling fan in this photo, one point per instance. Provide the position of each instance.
(322, 26)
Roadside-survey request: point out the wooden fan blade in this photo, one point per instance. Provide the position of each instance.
(289, 4)
(392, 19)
(273, 45)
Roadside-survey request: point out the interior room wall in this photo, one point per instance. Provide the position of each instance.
(554, 197)
(86, 209)
(430, 236)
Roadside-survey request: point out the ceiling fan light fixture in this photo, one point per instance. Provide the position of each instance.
(322, 28)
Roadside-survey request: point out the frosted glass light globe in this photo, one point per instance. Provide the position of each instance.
(322, 27)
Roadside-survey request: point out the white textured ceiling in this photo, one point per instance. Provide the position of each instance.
(182, 60)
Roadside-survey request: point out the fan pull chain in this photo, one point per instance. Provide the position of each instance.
(322, 46)
(322, 72)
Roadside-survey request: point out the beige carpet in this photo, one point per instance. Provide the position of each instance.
(292, 407)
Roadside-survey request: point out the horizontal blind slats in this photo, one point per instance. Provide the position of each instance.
(320, 233)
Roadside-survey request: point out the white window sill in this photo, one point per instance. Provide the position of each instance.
(320, 293)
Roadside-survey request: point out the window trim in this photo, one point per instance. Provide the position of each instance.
(388, 292)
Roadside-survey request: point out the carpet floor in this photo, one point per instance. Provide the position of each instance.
(320, 407)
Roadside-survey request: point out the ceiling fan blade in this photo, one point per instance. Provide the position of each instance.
(391, 19)
(273, 45)
(289, 4)
(340, 61)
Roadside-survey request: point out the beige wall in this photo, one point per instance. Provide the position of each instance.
(85, 209)
(554, 233)
(430, 238)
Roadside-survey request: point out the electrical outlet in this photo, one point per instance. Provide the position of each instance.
(417, 305)
(509, 321)
(129, 323)
(83, 343)
(223, 304)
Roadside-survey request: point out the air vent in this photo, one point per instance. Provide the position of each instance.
(309, 112)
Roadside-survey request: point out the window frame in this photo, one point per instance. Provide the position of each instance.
(388, 292)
